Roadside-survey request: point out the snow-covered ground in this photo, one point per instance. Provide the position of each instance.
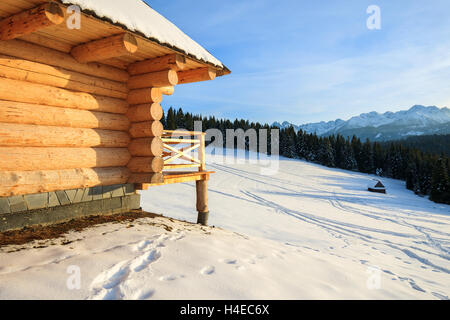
(307, 232)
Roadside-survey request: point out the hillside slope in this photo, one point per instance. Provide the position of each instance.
(307, 232)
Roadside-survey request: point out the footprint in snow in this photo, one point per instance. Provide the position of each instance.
(144, 294)
(140, 263)
(208, 270)
(228, 261)
(170, 277)
(142, 245)
(177, 237)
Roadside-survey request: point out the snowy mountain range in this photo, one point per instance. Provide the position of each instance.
(418, 120)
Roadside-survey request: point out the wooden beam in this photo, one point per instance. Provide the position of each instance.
(45, 15)
(27, 92)
(196, 75)
(202, 202)
(146, 129)
(27, 113)
(177, 177)
(107, 48)
(172, 61)
(43, 158)
(146, 164)
(146, 178)
(145, 112)
(53, 81)
(145, 95)
(66, 75)
(51, 57)
(155, 79)
(29, 182)
(168, 91)
(24, 135)
(146, 147)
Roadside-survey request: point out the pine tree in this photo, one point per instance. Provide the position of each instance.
(170, 120)
(440, 185)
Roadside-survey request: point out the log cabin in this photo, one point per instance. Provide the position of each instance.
(81, 83)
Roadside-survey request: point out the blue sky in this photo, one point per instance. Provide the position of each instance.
(307, 61)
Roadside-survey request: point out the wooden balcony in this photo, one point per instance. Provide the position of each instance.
(178, 155)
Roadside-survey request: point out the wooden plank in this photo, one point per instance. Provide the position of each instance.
(41, 158)
(181, 153)
(107, 48)
(179, 141)
(180, 166)
(26, 113)
(24, 135)
(177, 177)
(29, 21)
(28, 182)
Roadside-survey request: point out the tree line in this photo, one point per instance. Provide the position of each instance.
(425, 173)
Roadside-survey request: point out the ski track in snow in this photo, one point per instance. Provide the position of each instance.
(415, 235)
(307, 231)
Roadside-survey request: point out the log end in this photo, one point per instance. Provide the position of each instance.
(130, 43)
(54, 13)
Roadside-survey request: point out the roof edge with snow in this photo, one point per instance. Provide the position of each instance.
(138, 17)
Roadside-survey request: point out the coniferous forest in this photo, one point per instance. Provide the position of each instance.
(425, 173)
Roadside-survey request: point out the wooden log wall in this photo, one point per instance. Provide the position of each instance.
(68, 121)
(63, 123)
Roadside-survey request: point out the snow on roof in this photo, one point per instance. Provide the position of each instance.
(139, 17)
(376, 184)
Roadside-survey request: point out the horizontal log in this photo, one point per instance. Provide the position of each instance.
(155, 79)
(146, 147)
(145, 112)
(146, 129)
(146, 164)
(24, 135)
(30, 159)
(172, 61)
(39, 78)
(196, 75)
(168, 91)
(45, 15)
(146, 95)
(146, 178)
(60, 77)
(27, 92)
(181, 166)
(106, 48)
(25, 113)
(29, 182)
(28, 51)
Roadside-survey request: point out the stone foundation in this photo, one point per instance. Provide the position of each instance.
(53, 207)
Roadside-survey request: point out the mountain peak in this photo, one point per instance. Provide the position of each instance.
(418, 120)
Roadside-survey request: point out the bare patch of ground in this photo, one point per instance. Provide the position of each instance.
(36, 233)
